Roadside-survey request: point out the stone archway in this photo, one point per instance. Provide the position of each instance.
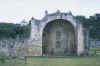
(58, 39)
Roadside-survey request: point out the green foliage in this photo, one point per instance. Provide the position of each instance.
(2, 59)
(9, 30)
(92, 24)
(95, 48)
(6, 30)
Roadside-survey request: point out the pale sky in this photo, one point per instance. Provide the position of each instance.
(17, 10)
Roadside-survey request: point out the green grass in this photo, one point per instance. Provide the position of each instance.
(95, 48)
(67, 61)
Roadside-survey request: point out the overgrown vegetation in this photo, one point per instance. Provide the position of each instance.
(10, 30)
(92, 24)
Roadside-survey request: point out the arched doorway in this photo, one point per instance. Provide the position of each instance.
(58, 39)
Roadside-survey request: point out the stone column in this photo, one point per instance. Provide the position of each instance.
(80, 38)
(69, 39)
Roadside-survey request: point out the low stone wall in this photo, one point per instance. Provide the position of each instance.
(35, 50)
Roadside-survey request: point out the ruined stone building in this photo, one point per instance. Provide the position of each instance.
(56, 34)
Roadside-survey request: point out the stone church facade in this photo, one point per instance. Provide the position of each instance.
(57, 34)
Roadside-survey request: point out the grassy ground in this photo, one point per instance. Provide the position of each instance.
(95, 49)
(67, 61)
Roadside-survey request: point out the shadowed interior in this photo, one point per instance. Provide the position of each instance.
(58, 39)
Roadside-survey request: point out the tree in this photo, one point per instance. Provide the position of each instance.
(92, 21)
(8, 30)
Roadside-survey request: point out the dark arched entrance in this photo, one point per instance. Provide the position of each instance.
(58, 39)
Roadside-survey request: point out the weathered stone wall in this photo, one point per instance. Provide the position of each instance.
(37, 27)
